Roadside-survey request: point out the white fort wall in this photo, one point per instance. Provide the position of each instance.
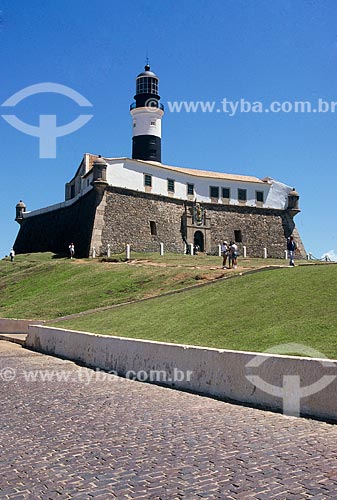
(84, 190)
(129, 174)
(213, 372)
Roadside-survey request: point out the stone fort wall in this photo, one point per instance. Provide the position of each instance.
(127, 220)
(128, 214)
(125, 215)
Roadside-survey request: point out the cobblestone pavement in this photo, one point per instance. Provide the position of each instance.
(127, 440)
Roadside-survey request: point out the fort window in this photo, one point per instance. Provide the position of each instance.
(226, 193)
(190, 189)
(72, 191)
(238, 236)
(214, 192)
(170, 185)
(242, 194)
(153, 228)
(147, 180)
(260, 196)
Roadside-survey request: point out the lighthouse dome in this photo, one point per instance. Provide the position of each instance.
(147, 72)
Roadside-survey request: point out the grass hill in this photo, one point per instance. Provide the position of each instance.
(40, 286)
(251, 312)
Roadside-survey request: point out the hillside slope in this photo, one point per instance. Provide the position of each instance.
(39, 286)
(251, 313)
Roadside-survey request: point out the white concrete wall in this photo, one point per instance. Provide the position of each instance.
(214, 372)
(86, 188)
(278, 195)
(130, 175)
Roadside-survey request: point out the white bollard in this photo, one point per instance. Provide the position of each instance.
(264, 253)
(244, 248)
(108, 252)
(219, 251)
(286, 254)
(93, 252)
(161, 249)
(185, 249)
(191, 249)
(128, 251)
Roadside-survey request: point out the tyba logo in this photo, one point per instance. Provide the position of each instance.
(47, 131)
(291, 391)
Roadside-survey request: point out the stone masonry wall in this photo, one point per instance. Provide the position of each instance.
(260, 228)
(123, 216)
(127, 220)
(128, 215)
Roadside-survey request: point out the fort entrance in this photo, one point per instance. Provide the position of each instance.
(199, 241)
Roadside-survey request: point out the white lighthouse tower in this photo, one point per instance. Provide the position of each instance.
(146, 113)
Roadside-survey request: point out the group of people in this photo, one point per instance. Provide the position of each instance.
(230, 252)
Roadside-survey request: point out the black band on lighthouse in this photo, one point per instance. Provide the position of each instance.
(146, 147)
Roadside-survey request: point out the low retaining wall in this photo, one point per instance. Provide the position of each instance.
(277, 384)
(15, 325)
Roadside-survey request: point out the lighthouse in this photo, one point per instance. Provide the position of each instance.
(146, 113)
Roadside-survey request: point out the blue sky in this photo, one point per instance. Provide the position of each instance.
(202, 50)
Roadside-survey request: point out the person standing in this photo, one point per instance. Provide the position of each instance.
(291, 247)
(224, 251)
(72, 250)
(234, 252)
(12, 254)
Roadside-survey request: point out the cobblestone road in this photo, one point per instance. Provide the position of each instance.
(128, 440)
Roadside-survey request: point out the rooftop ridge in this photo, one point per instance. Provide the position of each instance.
(189, 171)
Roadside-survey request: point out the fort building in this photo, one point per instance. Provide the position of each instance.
(111, 202)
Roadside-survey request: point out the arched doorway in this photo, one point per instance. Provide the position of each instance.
(199, 241)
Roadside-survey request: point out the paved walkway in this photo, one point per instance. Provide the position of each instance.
(127, 440)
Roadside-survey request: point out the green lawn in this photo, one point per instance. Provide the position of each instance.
(38, 286)
(253, 313)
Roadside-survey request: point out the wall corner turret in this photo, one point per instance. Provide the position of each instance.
(20, 208)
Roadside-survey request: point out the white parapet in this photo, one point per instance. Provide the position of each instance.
(256, 379)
